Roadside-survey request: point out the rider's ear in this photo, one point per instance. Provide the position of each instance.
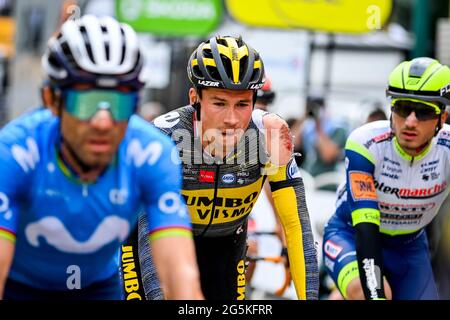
(50, 98)
(193, 97)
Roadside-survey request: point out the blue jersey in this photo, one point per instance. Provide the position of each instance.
(60, 224)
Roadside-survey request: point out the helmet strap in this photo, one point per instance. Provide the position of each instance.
(438, 126)
(196, 106)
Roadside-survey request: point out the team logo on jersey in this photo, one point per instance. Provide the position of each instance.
(26, 157)
(55, 233)
(4, 206)
(362, 186)
(331, 249)
(118, 196)
(207, 176)
(228, 178)
(406, 193)
(167, 120)
(445, 89)
(292, 170)
(329, 263)
(139, 155)
(170, 203)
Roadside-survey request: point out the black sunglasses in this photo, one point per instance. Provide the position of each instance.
(423, 111)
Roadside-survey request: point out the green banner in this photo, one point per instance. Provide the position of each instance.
(171, 17)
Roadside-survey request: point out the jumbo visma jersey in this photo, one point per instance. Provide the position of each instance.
(59, 224)
(220, 193)
(386, 186)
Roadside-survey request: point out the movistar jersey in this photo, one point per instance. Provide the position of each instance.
(407, 191)
(61, 226)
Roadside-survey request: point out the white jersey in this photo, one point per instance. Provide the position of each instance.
(407, 191)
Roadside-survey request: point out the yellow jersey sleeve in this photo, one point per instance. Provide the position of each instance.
(289, 197)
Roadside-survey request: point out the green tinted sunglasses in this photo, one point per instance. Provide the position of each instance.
(84, 104)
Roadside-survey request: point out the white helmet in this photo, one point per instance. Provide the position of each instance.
(94, 50)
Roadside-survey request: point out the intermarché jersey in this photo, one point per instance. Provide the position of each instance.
(61, 226)
(406, 191)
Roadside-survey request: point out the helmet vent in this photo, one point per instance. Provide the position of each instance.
(213, 73)
(419, 66)
(122, 57)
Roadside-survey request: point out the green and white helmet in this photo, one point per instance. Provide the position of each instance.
(421, 79)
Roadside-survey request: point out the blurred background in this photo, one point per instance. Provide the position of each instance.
(341, 51)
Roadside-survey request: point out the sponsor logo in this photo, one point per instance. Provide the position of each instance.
(208, 83)
(292, 170)
(445, 89)
(207, 176)
(241, 280)
(55, 233)
(329, 263)
(390, 171)
(240, 181)
(401, 219)
(139, 155)
(256, 86)
(428, 169)
(170, 203)
(4, 206)
(228, 208)
(74, 279)
(26, 157)
(393, 162)
(167, 120)
(118, 196)
(405, 208)
(373, 276)
(228, 178)
(362, 186)
(379, 138)
(331, 249)
(130, 277)
(243, 174)
(405, 193)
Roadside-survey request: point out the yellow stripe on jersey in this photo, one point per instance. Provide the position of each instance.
(231, 203)
(8, 235)
(170, 232)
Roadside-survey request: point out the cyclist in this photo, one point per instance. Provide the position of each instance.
(225, 146)
(398, 175)
(75, 176)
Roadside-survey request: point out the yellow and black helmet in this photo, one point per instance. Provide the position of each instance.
(226, 62)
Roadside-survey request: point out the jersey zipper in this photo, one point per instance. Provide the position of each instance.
(85, 190)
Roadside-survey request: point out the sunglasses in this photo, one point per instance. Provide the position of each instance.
(423, 110)
(84, 104)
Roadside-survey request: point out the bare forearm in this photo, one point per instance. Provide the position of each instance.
(6, 256)
(176, 264)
